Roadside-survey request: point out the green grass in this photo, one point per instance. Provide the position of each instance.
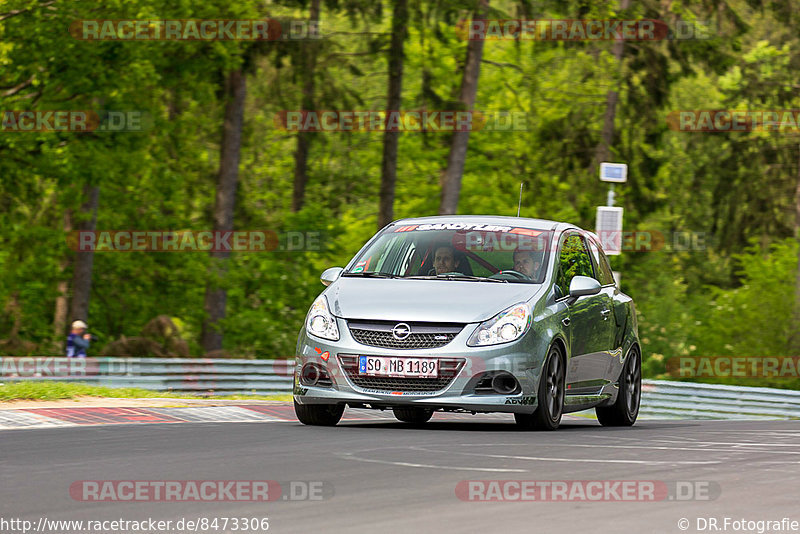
(64, 390)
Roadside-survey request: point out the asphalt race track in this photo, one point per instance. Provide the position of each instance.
(380, 475)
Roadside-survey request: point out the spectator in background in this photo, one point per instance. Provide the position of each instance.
(78, 340)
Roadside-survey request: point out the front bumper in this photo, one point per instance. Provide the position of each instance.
(523, 358)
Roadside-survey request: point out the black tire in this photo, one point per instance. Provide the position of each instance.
(625, 409)
(319, 414)
(416, 416)
(550, 397)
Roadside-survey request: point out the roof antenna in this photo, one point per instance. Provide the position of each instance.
(519, 206)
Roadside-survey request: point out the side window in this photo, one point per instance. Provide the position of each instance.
(573, 260)
(604, 273)
(376, 265)
(391, 256)
(411, 260)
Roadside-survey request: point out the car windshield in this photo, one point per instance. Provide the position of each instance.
(456, 251)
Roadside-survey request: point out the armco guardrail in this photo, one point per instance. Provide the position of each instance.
(689, 400)
(660, 398)
(180, 375)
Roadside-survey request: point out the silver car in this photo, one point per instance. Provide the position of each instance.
(472, 314)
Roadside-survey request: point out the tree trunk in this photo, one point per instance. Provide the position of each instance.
(60, 317)
(390, 139)
(304, 138)
(451, 178)
(84, 260)
(603, 152)
(14, 310)
(216, 297)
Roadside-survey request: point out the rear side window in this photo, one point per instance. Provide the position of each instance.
(573, 260)
(604, 273)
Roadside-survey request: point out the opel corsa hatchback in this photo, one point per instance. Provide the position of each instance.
(471, 314)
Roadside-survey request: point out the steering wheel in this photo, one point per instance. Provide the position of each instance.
(515, 274)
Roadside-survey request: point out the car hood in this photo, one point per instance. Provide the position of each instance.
(424, 300)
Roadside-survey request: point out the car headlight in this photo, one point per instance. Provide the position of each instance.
(320, 322)
(506, 326)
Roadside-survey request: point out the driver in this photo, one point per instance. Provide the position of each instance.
(444, 259)
(527, 262)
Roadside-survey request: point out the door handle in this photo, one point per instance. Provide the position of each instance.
(605, 313)
(565, 321)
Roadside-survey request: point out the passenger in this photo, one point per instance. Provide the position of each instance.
(527, 262)
(446, 259)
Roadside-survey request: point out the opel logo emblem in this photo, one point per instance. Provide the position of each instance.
(401, 331)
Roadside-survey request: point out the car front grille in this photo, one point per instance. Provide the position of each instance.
(422, 336)
(448, 369)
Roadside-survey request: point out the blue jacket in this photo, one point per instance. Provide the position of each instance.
(76, 346)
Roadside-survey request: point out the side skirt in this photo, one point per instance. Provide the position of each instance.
(576, 403)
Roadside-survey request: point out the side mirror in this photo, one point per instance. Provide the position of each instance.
(329, 276)
(582, 286)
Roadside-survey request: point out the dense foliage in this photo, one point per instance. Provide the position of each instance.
(729, 196)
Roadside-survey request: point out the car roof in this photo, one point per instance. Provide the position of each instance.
(524, 222)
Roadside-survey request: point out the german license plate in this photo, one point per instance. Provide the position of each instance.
(402, 367)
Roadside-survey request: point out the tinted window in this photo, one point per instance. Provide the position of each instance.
(573, 260)
(604, 273)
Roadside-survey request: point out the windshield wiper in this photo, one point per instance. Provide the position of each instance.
(459, 277)
(373, 274)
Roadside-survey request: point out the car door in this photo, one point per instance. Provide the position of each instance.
(590, 323)
(617, 317)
